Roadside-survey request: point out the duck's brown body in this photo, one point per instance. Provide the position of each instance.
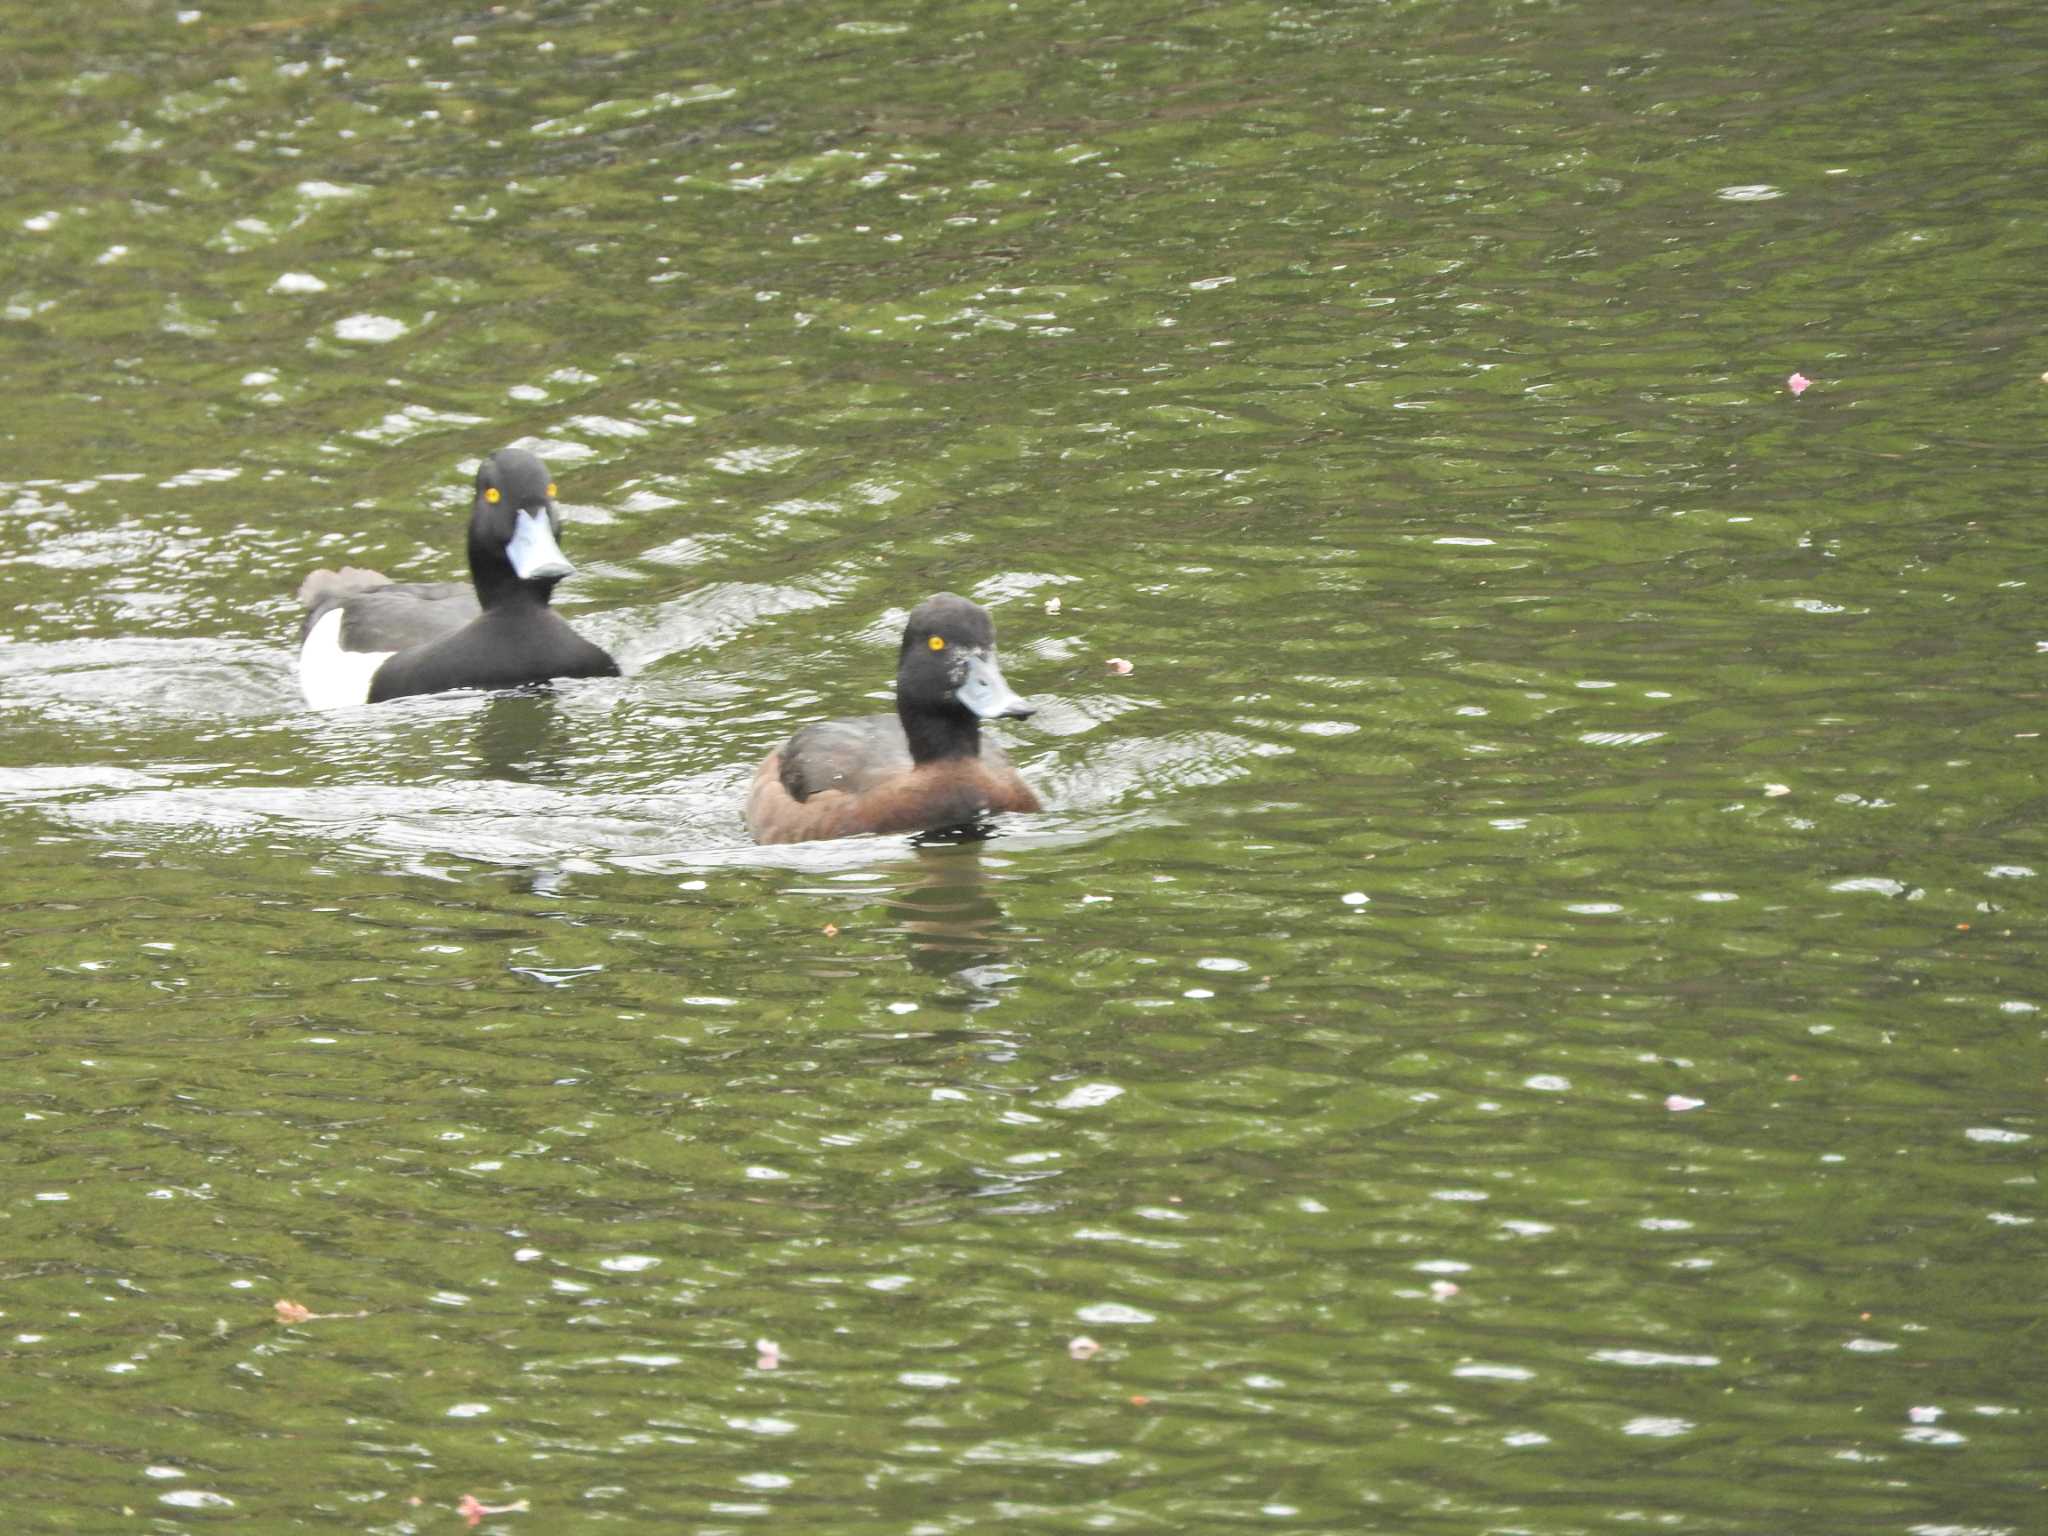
(842, 778)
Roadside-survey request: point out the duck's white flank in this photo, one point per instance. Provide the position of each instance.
(329, 676)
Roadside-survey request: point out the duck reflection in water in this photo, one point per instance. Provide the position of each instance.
(943, 903)
(522, 737)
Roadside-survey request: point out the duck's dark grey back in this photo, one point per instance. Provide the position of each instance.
(324, 587)
(850, 755)
(387, 615)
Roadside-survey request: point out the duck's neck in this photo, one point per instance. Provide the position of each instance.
(497, 586)
(938, 734)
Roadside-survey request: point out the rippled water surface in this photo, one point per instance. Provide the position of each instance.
(1522, 1013)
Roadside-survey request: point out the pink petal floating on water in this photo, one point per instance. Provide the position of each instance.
(291, 1312)
(1923, 1415)
(473, 1509)
(1443, 1290)
(1118, 665)
(1799, 384)
(1082, 1347)
(768, 1355)
(1678, 1103)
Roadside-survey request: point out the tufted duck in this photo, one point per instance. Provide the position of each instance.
(367, 638)
(924, 767)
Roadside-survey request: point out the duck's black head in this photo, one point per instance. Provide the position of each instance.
(947, 680)
(514, 530)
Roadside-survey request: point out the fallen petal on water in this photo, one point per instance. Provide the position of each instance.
(473, 1509)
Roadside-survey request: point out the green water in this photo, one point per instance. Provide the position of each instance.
(1539, 719)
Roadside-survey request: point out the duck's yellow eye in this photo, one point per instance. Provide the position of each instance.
(937, 642)
(491, 495)
(551, 490)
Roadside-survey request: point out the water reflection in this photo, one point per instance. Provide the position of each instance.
(521, 735)
(947, 912)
